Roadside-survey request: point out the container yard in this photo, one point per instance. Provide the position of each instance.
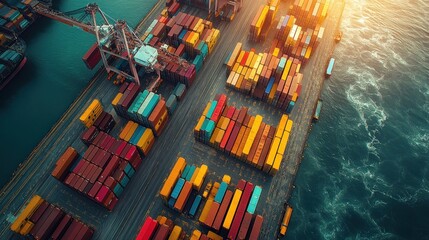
(165, 152)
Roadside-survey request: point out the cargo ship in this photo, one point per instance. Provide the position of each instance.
(316, 114)
(11, 62)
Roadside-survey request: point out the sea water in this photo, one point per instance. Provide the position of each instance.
(365, 173)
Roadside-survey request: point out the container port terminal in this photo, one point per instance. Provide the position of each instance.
(141, 197)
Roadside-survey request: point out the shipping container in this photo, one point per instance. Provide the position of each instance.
(256, 228)
(148, 229)
(172, 178)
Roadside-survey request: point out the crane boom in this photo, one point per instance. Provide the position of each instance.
(116, 40)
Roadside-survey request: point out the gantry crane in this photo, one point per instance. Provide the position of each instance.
(116, 40)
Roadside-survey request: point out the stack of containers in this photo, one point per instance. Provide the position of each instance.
(300, 44)
(179, 73)
(125, 97)
(89, 135)
(173, 9)
(12, 19)
(265, 76)
(104, 122)
(43, 220)
(161, 228)
(245, 137)
(309, 13)
(177, 95)
(91, 114)
(141, 137)
(104, 170)
(196, 34)
(232, 211)
(258, 22)
(182, 185)
(149, 110)
(146, 108)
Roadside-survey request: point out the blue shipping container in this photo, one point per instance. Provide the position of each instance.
(221, 192)
(195, 206)
(176, 190)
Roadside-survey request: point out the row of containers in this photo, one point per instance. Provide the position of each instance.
(229, 213)
(295, 40)
(40, 219)
(15, 16)
(262, 21)
(188, 37)
(247, 138)
(265, 76)
(147, 108)
(310, 13)
(163, 228)
(108, 164)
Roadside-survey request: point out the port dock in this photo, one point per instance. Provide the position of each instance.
(141, 196)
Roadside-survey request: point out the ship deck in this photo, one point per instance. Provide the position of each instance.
(141, 197)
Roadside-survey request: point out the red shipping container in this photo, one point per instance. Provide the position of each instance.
(148, 229)
(256, 228)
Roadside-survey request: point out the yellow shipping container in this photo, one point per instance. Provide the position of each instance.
(234, 55)
(240, 56)
(161, 220)
(219, 137)
(287, 68)
(295, 97)
(31, 207)
(272, 92)
(199, 124)
(172, 178)
(281, 126)
(230, 78)
(94, 107)
(199, 23)
(214, 236)
(308, 53)
(200, 29)
(116, 99)
(194, 176)
(253, 61)
(131, 131)
(163, 118)
(146, 140)
(276, 52)
(206, 110)
(289, 125)
(214, 190)
(199, 180)
(196, 234)
(261, 19)
(206, 210)
(283, 143)
(249, 58)
(235, 80)
(125, 130)
(27, 228)
(232, 208)
(276, 166)
(251, 138)
(272, 154)
(175, 234)
(260, 69)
